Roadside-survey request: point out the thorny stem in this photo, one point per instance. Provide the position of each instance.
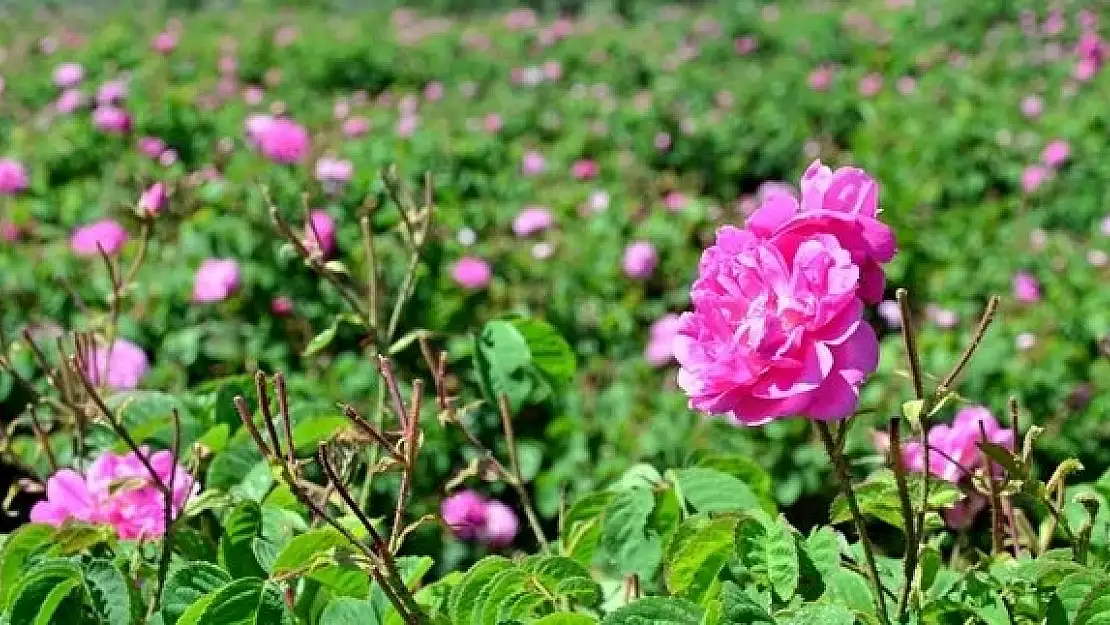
(844, 479)
(517, 477)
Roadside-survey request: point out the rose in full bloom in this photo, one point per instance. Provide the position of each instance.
(117, 490)
(531, 220)
(121, 366)
(471, 273)
(13, 177)
(153, 200)
(776, 329)
(843, 204)
(106, 234)
(216, 280)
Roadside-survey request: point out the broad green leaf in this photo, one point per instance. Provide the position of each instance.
(710, 490)
(309, 433)
(41, 592)
(188, 584)
(631, 548)
(503, 587)
(230, 467)
(300, 552)
(1095, 609)
(565, 618)
(878, 498)
(109, 593)
(463, 602)
(656, 611)
(349, 611)
(247, 601)
(549, 350)
(1075, 588)
(242, 526)
(783, 566)
(18, 549)
(823, 548)
(738, 607)
(747, 471)
(851, 589)
(822, 613)
(147, 415)
(696, 555)
(582, 527)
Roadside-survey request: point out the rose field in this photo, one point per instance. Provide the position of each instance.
(559, 312)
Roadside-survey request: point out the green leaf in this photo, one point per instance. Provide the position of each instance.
(1075, 588)
(738, 607)
(747, 471)
(564, 578)
(300, 552)
(349, 611)
(248, 601)
(550, 352)
(582, 527)
(309, 433)
(1095, 609)
(463, 602)
(783, 567)
(109, 593)
(709, 490)
(823, 548)
(41, 592)
(631, 548)
(242, 526)
(323, 339)
(230, 467)
(188, 584)
(851, 589)
(18, 550)
(656, 611)
(566, 618)
(1011, 462)
(147, 416)
(878, 498)
(75, 537)
(694, 558)
(823, 613)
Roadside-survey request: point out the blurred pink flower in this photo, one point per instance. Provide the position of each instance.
(821, 78)
(1032, 106)
(1032, 177)
(585, 169)
(675, 201)
(433, 91)
(534, 163)
(69, 101)
(891, 313)
(111, 92)
(944, 318)
(464, 513)
(216, 280)
(662, 141)
(111, 119)
(745, 45)
(13, 177)
(906, 85)
(501, 525)
(121, 367)
(531, 220)
(320, 233)
(1026, 288)
(958, 444)
(356, 127)
(407, 124)
(153, 200)
(9, 232)
(168, 157)
(660, 348)
(1056, 153)
(252, 94)
(640, 260)
(334, 170)
(68, 75)
(282, 306)
(283, 141)
(117, 490)
(471, 273)
(151, 146)
(107, 234)
(164, 42)
(870, 84)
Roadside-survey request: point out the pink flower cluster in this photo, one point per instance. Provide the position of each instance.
(118, 491)
(474, 517)
(777, 328)
(954, 454)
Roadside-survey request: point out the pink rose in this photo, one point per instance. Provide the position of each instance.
(320, 233)
(111, 92)
(501, 525)
(843, 204)
(122, 366)
(465, 513)
(1032, 177)
(585, 169)
(640, 260)
(1056, 153)
(281, 140)
(118, 490)
(152, 146)
(674, 201)
(164, 42)
(356, 127)
(870, 85)
(107, 234)
(776, 329)
(111, 119)
(68, 75)
(69, 101)
(534, 163)
(282, 306)
(1026, 288)
(153, 200)
(660, 348)
(821, 78)
(532, 220)
(13, 177)
(957, 445)
(216, 280)
(1032, 106)
(471, 273)
(334, 171)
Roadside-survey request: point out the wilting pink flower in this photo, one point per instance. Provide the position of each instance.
(534, 163)
(1032, 177)
(465, 513)
(1026, 288)
(68, 75)
(640, 260)
(122, 366)
(843, 204)
(282, 140)
(471, 273)
(153, 200)
(216, 280)
(106, 234)
(356, 127)
(164, 42)
(117, 490)
(870, 84)
(1056, 153)
(501, 525)
(532, 220)
(675, 201)
(334, 171)
(151, 146)
(13, 177)
(1032, 106)
(821, 78)
(111, 119)
(776, 329)
(320, 233)
(69, 101)
(660, 347)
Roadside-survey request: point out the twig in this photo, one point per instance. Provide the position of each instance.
(44, 441)
(286, 417)
(167, 538)
(371, 272)
(909, 559)
(517, 477)
(411, 440)
(997, 544)
(976, 339)
(844, 480)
